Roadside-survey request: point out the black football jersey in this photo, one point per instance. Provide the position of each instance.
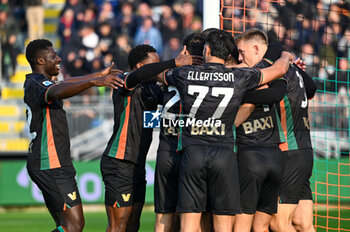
(294, 113)
(171, 108)
(130, 140)
(263, 126)
(210, 96)
(50, 144)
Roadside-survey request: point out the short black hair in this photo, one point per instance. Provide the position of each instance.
(139, 53)
(35, 48)
(206, 32)
(221, 43)
(194, 43)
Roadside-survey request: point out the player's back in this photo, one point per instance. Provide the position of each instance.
(294, 112)
(210, 97)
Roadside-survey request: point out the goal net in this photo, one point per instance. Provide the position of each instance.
(318, 31)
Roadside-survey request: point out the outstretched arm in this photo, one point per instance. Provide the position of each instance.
(150, 70)
(68, 88)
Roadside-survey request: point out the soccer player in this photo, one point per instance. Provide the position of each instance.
(210, 97)
(295, 203)
(168, 160)
(260, 161)
(49, 163)
(123, 161)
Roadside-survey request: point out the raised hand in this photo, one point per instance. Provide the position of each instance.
(300, 63)
(184, 59)
(109, 80)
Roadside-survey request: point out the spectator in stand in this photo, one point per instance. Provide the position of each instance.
(8, 25)
(89, 40)
(327, 51)
(172, 48)
(67, 26)
(9, 56)
(344, 44)
(340, 79)
(35, 18)
(126, 20)
(143, 11)
(187, 15)
(121, 52)
(106, 14)
(76, 65)
(311, 61)
(4, 5)
(106, 38)
(89, 17)
(77, 7)
(165, 25)
(149, 34)
(304, 27)
(171, 28)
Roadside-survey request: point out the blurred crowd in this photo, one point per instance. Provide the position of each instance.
(94, 33)
(318, 31)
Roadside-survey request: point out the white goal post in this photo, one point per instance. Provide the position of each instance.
(211, 13)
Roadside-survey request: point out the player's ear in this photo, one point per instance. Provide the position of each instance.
(139, 65)
(207, 50)
(256, 49)
(40, 60)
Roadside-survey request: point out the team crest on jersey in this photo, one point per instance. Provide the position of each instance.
(47, 83)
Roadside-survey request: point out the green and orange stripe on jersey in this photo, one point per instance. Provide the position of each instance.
(287, 126)
(119, 145)
(49, 157)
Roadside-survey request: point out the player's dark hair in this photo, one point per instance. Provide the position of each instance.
(221, 43)
(139, 53)
(206, 32)
(35, 50)
(253, 34)
(194, 43)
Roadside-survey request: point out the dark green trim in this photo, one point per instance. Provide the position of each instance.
(234, 137)
(279, 126)
(179, 139)
(44, 153)
(114, 148)
(291, 140)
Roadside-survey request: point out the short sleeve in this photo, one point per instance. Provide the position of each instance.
(40, 91)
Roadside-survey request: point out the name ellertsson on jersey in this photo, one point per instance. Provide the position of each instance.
(210, 76)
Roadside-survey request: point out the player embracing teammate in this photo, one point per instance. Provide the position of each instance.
(211, 95)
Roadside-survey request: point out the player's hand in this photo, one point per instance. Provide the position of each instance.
(109, 80)
(107, 70)
(183, 59)
(287, 58)
(115, 71)
(300, 63)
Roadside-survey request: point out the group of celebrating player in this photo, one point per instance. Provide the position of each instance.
(237, 148)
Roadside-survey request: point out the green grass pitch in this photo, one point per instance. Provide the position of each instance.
(38, 219)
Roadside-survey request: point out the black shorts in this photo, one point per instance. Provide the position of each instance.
(139, 184)
(118, 176)
(260, 172)
(296, 180)
(208, 181)
(58, 186)
(166, 181)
